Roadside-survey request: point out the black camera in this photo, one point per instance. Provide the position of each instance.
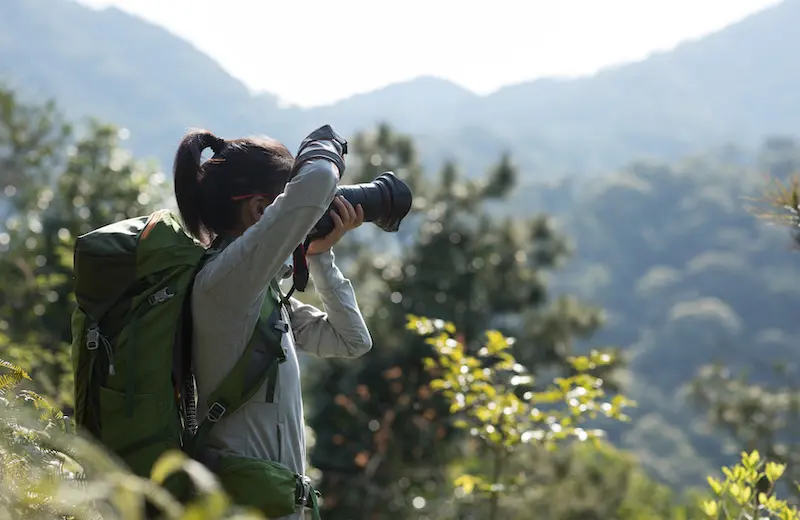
(385, 201)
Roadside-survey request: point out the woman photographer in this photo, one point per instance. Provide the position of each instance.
(255, 203)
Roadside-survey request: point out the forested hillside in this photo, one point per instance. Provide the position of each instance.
(688, 277)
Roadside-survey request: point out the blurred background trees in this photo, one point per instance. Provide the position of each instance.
(58, 182)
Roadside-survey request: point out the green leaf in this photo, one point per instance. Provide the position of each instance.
(711, 508)
(715, 484)
(773, 471)
(169, 463)
(467, 483)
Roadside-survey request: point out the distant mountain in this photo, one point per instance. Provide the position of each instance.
(125, 70)
(739, 84)
(405, 104)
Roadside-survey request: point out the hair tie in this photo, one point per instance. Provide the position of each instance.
(217, 144)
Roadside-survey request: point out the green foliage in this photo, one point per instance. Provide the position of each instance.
(589, 481)
(760, 417)
(487, 396)
(60, 182)
(31, 464)
(747, 492)
(49, 472)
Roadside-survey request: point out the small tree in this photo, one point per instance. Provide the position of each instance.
(491, 396)
(738, 496)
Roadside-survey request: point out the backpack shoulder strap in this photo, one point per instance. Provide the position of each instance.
(263, 353)
(257, 365)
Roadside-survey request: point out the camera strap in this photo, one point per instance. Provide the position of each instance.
(299, 269)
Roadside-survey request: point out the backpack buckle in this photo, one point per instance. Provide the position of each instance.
(160, 296)
(281, 326)
(215, 412)
(92, 338)
(303, 491)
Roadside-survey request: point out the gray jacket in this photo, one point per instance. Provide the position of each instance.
(227, 297)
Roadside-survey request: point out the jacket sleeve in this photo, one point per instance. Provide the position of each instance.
(242, 271)
(339, 331)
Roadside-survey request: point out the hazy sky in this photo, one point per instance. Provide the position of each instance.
(313, 52)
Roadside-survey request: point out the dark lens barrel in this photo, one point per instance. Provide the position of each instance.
(386, 201)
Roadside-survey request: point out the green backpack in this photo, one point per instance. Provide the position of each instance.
(131, 357)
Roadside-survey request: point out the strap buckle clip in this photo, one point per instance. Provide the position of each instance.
(303, 491)
(215, 412)
(281, 326)
(93, 338)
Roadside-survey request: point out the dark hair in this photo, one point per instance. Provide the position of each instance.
(209, 193)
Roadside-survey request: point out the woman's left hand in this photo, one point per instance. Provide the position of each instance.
(345, 219)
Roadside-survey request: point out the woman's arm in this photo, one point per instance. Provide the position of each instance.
(246, 266)
(340, 330)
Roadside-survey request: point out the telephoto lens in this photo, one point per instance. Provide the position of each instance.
(386, 201)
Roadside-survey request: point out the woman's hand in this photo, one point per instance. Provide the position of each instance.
(346, 218)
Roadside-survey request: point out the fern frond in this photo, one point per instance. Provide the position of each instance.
(14, 376)
(48, 412)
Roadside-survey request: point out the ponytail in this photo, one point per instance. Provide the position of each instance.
(210, 193)
(188, 175)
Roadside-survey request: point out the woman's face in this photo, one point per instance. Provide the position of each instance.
(252, 208)
(251, 211)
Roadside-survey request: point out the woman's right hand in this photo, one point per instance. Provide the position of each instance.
(345, 218)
